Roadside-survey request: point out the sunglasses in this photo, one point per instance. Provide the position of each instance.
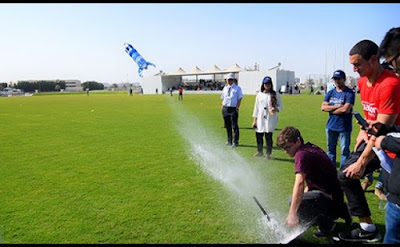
(389, 64)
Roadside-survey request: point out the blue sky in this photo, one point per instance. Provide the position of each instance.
(85, 41)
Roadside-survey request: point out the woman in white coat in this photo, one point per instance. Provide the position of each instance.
(266, 107)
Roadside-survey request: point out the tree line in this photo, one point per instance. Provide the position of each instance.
(52, 86)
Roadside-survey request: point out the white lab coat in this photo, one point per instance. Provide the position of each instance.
(265, 121)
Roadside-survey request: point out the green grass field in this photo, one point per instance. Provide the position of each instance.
(110, 168)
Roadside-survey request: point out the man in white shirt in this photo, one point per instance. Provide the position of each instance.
(231, 98)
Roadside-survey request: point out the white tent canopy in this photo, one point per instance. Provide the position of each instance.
(196, 70)
(214, 69)
(235, 68)
(179, 71)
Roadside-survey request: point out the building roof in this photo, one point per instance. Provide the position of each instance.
(196, 70)
(213, 70)
(234, 68)
(179, 71)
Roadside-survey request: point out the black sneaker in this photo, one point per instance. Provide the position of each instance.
(324, 233)
(359, 235)
(235, 145)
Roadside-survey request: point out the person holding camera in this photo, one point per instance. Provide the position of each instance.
(386, 138)
(380, 98)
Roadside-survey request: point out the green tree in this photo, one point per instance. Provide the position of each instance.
(92, 85)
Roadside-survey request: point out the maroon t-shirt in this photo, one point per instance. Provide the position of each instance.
(320, 172)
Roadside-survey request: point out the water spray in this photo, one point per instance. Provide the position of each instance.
(235, 173)
(262, 209)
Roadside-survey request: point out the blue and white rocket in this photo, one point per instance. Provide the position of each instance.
(141, 62)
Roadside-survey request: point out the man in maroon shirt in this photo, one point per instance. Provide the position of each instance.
(317, 196)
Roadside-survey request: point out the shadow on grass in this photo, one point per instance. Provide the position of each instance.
(255, 146)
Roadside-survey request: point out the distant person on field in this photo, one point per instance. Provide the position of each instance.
(231, 99)
(339, 102)
(265, 116)
(317, 197)
(180, 90)
(87, 91)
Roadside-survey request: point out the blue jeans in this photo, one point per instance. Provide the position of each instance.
(332, 139)
(379, 183)
(392, 222)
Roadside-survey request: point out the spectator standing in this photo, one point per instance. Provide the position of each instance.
(339, 102)
(380, 98)
(265, 116)
(231, 99)
(180, 90)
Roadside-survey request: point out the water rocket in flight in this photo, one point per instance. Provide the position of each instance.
(141, 62)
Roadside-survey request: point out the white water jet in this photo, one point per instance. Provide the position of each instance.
(225, 165)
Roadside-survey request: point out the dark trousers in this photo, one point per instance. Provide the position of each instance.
(260, 142)
(356, 200)
(317, 207)
(231, 116)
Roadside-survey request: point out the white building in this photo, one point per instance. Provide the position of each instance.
(249, 80)
(73, 85)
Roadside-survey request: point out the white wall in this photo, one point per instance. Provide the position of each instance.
(170, 81)
(150, 83)
(284, 76)
(249, 81)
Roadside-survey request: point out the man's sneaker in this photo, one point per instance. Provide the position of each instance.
(258, 154)
(228, 143)
(365, 184)
(379, 192)
(359, 235)
(235, 145)
(324, 233)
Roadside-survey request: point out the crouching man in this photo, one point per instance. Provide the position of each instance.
(317, 196)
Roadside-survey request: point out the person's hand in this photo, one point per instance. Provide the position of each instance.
(292, 220)
(374, 127)
(363, 137)
(355, 170)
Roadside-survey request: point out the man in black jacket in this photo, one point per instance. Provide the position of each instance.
(388, 139)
